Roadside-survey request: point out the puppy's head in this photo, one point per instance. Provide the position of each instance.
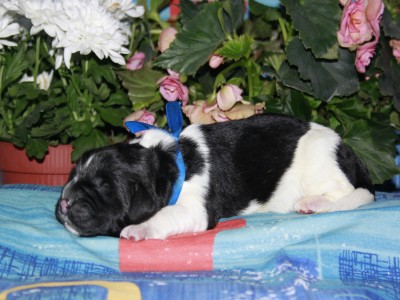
(115, 186)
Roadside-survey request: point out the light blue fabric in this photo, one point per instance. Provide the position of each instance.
(359, 247)
(341, 255)
(33, 243)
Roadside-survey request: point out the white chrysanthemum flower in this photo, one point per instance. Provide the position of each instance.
(8, 29)
(9, 6)
(43, 80)
(82, 26)
(92, 29)
(45, 15)
(123, 8)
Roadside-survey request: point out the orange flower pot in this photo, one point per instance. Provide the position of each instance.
(16, 167)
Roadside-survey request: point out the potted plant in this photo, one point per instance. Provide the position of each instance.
(335, 63)
(58, 83)
(225, 60)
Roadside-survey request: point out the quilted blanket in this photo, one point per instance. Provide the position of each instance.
(340, 255)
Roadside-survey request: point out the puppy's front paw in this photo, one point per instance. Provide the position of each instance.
(142, 231)
(313, 205)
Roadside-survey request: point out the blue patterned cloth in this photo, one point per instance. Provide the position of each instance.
(340, 255)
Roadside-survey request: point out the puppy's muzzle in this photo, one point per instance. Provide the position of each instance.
(64, 206)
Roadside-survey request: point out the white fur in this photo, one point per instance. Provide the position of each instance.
(189, 213)
(313, 183)
(315, 172)
(154, 137)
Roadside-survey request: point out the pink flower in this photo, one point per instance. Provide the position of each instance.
(359, 28)
(136, 62)
(196, 114)
(143, 116)
(172, 89)
(363, 56)
(395, 44)
(199, 113)
(360, 22)
(167, 36)
(215, 61)
(228, 95)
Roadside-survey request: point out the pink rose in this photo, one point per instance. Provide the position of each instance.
(172, 89)
(360, 22)
(167, 36)
(395, 44)
(215, 61)
(136, 62)
(228, 95)
(363, 56)
(143, 116)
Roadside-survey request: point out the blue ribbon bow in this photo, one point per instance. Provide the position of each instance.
(175, 123)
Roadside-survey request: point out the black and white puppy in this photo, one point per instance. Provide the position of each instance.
(268, 162)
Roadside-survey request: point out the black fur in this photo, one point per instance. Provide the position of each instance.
(242, 152)
(126, 184)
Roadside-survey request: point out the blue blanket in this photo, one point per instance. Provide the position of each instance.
(341, 255)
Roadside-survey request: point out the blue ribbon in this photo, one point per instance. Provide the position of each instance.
(175, 123)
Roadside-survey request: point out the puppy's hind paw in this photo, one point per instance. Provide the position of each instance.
(313, 205)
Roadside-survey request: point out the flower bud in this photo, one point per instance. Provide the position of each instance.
(215, 61)
(228, 95)
(167, 36)
(136, 62)
(172, 89)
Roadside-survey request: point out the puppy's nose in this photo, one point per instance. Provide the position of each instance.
(64, 205)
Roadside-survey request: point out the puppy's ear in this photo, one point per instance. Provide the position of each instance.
(144, 207)
(153, 187)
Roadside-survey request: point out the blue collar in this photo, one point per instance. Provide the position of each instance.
(175, 122)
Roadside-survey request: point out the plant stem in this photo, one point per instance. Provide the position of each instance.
(250, 82)
(1, 75)
(285, 34)
(37, 61)
(133, 29)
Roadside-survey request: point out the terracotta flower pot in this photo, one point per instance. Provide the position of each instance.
(16, 167)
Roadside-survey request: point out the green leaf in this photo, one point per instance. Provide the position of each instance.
(118, 98)
(296, 104)
(47, 131)
(36, 148)
(84, 143)
(142, 85)
(345, 109)
(317, 22)
(361, 138)
(232, 15)
(98, 71)
(390, 24)
(389, 83)
(237, 48)
(328, 78)
(193, 45)
(189, 10)
(14, 67)
(80, 128)
(291, 78)
(113, 116)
